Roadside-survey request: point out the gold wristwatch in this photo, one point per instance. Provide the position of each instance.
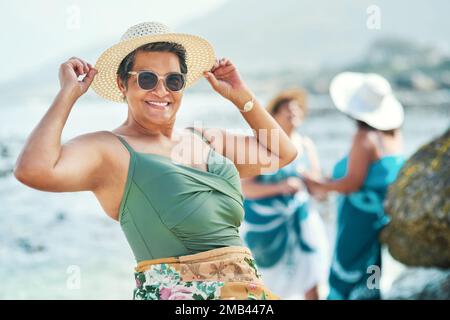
(248, 105)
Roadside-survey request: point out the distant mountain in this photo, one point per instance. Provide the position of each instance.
(264, 35)
(291, 40)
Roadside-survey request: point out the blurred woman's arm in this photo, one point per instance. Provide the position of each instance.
(255, 190)
(360, 157)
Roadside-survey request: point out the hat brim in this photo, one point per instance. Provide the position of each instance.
(389, 114)
(294, 94)
(200, 57)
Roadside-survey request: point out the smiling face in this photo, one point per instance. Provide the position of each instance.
(160, 105)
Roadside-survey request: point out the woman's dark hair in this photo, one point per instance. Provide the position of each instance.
(363, 125)
(128, 62)
(278, 105)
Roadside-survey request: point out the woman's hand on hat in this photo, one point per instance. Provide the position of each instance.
(69, 72)
(225, 80)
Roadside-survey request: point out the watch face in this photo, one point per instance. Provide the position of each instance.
(248, 106)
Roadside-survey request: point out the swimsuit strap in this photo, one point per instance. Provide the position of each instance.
(125, 143)
(200, 134)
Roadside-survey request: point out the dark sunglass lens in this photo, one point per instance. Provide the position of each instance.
(175, 82)
(147, 80)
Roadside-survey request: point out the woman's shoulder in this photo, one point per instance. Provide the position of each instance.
(365, 137)
(98, 137)
(103, 141)
(93, 138)
(365, 142)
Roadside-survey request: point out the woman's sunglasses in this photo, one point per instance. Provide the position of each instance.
(148, 80)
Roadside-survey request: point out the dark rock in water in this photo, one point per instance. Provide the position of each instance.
(421, 284)
(28, 247)
(419, 206)
(6, 165)
(61, 216)
(4, 151)
(5, 172)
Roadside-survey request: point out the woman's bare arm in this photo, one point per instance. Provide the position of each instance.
(255, 190)
(44, 163)
(270, 148)
(361, 155)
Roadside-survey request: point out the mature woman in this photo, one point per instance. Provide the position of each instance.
(284, 233)
(176, 193)
(362, 179)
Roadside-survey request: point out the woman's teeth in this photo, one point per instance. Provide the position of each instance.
(157, 104)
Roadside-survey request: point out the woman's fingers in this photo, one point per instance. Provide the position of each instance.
(223, 62)
(82, 66)
(215, 66)
(73, 66)
(70, 72)
(90, 77)
(212, 80)
(222, 66)
(77, 66)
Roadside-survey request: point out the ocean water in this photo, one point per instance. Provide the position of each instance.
(62, 245)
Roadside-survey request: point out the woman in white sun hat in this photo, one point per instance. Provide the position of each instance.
(362, 179)
(176, 193)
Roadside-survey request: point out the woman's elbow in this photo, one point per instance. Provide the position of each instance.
(22, 171)
(31, 175)
(25, 175)
(288, 158)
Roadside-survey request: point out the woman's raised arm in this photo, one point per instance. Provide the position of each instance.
(44, 163)
(268, 135)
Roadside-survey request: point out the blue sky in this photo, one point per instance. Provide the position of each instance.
(35, 32)
(37, 36)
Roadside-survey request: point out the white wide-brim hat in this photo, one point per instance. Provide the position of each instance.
(200, 56)
(368, 98)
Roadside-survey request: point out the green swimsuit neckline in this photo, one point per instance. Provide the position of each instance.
(171, 209)
(180, 164)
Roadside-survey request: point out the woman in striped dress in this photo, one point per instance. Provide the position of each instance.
(284, 233)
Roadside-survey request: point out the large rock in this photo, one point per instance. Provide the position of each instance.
(420, 284)
(419, 206)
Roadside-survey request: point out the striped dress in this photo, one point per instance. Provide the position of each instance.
(287, 238)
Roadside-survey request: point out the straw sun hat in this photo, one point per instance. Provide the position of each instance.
(295, 94)
(200, 56)
(368, 98)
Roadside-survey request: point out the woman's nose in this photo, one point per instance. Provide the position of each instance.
(160, 89)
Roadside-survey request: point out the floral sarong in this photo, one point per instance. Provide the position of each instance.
(218, 274)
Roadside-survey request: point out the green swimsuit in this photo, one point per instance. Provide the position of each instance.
(170, 209)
